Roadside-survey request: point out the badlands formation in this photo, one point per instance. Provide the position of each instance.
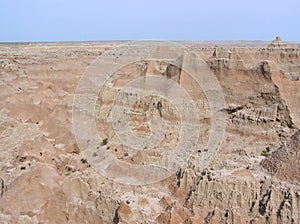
(254, 178)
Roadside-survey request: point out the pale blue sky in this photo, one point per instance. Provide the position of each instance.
(66, 20)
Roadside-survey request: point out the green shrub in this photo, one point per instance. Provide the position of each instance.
(264, 153)
(104, 141)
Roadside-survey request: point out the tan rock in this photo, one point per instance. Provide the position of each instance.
(45, 178)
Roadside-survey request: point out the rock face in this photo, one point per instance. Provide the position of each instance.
(284, 163)
(278, 43)
(254, 178)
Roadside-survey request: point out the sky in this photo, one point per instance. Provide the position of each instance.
(92, 20)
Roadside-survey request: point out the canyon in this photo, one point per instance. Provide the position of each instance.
(46, 177)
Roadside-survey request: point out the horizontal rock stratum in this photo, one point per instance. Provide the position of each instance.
(254, 178)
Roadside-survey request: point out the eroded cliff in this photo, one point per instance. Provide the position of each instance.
(254, 178)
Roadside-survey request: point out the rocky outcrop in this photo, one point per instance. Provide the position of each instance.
(277, 43)
(237, 197)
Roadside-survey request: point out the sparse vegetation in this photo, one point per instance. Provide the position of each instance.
(126, 154)
(104, 141)
(264, 153)
(83, 160)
